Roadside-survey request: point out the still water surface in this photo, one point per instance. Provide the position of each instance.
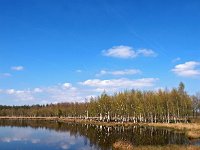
(39, 135)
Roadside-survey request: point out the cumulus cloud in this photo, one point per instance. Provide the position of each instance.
(65, 92)
(67, 85)
(119, 83)
(120, 51)
(37, 90)
(10, 91)
(17, 68)
(22, 95)
(119, 72)
(146, 53)
(188, 69)
(127, 52)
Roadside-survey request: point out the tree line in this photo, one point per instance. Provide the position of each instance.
(173, 105)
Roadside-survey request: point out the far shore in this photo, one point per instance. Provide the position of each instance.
(192, 130)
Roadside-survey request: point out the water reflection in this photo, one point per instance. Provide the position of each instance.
(23, 134)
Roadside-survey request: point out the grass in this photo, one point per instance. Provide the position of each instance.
(193, 134)
(122, 145)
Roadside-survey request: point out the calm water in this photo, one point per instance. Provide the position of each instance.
(38, 135)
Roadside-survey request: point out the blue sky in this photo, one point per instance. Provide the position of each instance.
(56, 51)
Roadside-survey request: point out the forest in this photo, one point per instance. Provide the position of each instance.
(174, 105)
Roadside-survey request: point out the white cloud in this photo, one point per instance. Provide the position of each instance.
(10, 91)
(122, 83)
(146, 53)
(5, 75)
(67, 85)
(17, 68)
(127, 52)
(65, 92)
(188, 69)
(176, 59)
(119, 72)
(90, 96)
(22, 95)
(120, 52)
(78, 71)
(37, 90)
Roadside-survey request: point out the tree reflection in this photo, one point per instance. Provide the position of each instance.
(102, 137)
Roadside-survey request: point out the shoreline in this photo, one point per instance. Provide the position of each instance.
(192, 130)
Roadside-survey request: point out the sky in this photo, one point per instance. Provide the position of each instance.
(69, 50)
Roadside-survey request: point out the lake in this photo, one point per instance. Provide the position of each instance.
(51, 135)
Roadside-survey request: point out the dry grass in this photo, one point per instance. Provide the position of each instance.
(193, 134)
(178, 126)
(121, 145)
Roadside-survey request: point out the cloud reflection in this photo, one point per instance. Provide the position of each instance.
(63, 140)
